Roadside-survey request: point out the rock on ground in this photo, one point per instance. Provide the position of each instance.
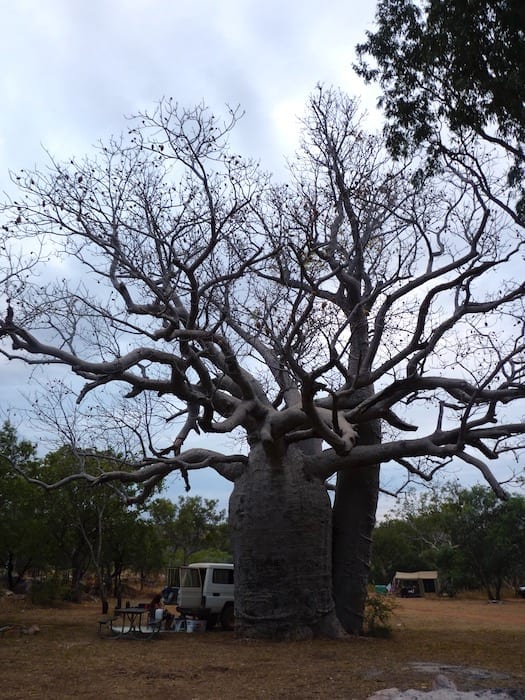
(445, 689)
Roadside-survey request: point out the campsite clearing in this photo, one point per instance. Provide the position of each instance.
(480, 643)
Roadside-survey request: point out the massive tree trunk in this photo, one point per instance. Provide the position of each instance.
(281, 534)
(354, 514)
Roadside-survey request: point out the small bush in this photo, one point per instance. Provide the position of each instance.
(378, 613)
(47, 592)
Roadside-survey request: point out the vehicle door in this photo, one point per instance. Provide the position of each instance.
(218, 588)
(190, 591)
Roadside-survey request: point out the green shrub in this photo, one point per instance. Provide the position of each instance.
(47, 592)
(378, 614)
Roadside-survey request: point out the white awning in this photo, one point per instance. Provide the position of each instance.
(415, 575)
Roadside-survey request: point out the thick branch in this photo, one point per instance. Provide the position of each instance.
(442, 444)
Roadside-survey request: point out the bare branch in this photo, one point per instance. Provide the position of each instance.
(357, 292)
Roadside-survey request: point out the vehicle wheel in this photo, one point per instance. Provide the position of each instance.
(228, 618)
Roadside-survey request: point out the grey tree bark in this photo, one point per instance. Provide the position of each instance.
(281, 531)
(354, 519)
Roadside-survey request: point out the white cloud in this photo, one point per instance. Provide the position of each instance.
(71, 69)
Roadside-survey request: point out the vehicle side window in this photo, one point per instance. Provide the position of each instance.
(222, 576)
(190, 578)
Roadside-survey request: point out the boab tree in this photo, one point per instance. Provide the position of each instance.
(352, 300)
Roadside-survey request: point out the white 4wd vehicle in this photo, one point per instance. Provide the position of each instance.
(206, 590)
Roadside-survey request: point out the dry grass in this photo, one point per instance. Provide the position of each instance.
(67, 659)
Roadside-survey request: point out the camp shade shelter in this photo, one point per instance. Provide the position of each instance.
(420, 582)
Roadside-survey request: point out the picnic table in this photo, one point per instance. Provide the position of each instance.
(128, 623)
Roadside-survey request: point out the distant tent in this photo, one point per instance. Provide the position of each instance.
(415, 583)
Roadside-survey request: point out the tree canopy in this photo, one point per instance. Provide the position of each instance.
(77, 529)
(474, 539)
(190, 526)
(460, 64)
(22, 541)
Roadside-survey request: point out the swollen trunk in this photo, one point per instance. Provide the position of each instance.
(281, 533)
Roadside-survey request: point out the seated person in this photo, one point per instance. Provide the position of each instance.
(169, 595)
(157, 612)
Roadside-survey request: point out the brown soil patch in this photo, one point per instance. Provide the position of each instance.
(67, 659)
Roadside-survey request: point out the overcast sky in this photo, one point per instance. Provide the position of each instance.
(71, 70)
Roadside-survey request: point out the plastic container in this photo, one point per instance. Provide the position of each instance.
(195, 625)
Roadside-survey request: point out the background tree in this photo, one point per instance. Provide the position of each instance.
(286, 314)
(488, 535)
(395, 548)
(190, 526)
(90, 528)
(23, 542)
(145, 552)
(69, 519)
(71, 531)
(473, 538)
(459, 64)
